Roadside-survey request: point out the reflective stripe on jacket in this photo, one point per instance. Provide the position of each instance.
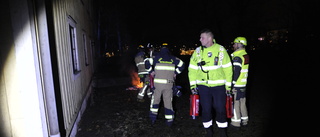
(164, 73)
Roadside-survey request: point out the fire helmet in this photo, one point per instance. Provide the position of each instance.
(141, 47)
(241, 40)
(164, 44)
(149, 45)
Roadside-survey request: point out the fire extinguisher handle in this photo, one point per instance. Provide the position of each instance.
(195, 91)
(229, 92)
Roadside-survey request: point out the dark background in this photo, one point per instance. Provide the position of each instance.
(179, 22)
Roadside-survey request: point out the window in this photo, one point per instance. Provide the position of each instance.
(74, 46)
(85, 49)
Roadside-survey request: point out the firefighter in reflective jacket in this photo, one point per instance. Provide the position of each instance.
(164, 67)
(143, 74)
(210, 71)
(241, 66)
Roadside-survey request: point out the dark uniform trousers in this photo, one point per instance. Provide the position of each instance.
(213, 97)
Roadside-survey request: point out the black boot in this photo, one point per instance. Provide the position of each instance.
(223, 132)
(209, 131)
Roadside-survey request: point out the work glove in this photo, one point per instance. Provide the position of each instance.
(176, 91)
(195, 91)
(233, 90)
(228, 92)
(193, 86)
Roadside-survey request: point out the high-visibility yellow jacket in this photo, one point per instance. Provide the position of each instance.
(210, 67)
(241, 68)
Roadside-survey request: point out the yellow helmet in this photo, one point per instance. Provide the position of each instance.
(164, 44)
(241, 40)
(141, 47)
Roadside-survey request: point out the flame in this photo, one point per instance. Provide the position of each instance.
(135, 80)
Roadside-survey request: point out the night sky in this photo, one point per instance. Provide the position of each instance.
(180, 22)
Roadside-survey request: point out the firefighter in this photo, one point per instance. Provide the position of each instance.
(164, 67)
(240, 60)
(210, 74)
(151, 54)
(143, 74)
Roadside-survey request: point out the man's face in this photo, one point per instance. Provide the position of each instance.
(236, 46)
(205, 39)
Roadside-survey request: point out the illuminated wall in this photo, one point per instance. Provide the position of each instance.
(22, 108)
(25, 97)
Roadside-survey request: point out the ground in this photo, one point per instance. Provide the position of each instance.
(275, 103)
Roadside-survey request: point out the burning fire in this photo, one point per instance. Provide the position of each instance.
(135, 80)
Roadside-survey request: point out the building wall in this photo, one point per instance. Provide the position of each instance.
(73, 86)
(24, 108)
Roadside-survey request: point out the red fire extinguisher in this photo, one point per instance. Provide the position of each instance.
(194, 105)
(229, 105)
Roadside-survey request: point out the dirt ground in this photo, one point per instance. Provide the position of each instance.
(275, 104)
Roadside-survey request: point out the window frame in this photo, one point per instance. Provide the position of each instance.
(85, 48)
(73, 45)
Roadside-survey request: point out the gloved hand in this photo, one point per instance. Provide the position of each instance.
(233, 90)
(228, 92)
(192, 88)
(194, 91)
(176, 91)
